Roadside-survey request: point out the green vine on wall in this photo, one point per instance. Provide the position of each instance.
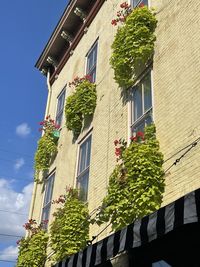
(137, 182)
(32, 250)
(133, 45)
(80, 104)
(70, 230)
(47, 146)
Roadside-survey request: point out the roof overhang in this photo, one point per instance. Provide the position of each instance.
(59, 47)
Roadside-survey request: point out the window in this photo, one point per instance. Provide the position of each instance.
(83, 168)
(92, 62)
(48, 197)
(60, 107)
(136, 3)
(141, 104)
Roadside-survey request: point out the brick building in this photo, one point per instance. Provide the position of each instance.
(81, 44)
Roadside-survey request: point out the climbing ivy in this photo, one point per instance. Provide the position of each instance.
(80, 104)
(32, 250)
(133, 45)
(70, 230)
(137, 182)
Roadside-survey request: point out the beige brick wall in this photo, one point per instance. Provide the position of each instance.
(176, 97)
(176, 91)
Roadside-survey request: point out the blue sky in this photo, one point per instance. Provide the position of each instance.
(25, 27)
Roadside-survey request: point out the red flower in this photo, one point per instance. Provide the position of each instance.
(117, 151)
(141, 134)
(116, 142)
(141, 5)
(133, 138)
(114, 22)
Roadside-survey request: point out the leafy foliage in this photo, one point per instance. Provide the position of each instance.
(32, 250)
(137, 182)
(70, 229)
(47, 146)
(80, 104)
(133, 46)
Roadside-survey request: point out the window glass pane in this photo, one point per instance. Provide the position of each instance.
(84, 156)
(139, 127)
(147, 92)
(83, 186)
(49, 190)
(91, 63)
(45, 213)
(60, 107)
(137, 98)
(138, 2)
(88, 151)
(148, 119)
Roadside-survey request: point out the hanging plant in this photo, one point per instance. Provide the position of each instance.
(133, 45)
(47, 145)
(137, 182)
(80, 104)
(70, 230)
(32, 250)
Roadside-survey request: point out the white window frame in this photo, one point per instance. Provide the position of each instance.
(47, 205)
(87, 169)
(59, 114)
(89, 71)
(145, 114)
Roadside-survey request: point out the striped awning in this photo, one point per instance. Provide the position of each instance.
(182, 211)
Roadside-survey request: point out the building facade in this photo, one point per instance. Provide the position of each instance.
(80, 45)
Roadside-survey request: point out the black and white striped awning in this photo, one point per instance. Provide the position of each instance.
(183, 211)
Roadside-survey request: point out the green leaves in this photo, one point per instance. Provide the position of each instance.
(133, 46)
(136, 185)
(70, 230)
(80, 104)
(32, 250)
(47, 146)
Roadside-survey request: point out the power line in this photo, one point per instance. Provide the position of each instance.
(18, 236)
(15, 212)
(14, 161)
(8, 261)
(190, 147)
(182, 149)
(15, 152)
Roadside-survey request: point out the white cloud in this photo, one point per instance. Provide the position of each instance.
(23, 130)
(18, 202)
(19, 163)
(9, 253)
(11, 223)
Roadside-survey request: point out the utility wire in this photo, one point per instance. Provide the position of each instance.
(18, 236)
(15, 152)
(8, 261)
(182, 149)
(14, 161)
(190, 147)
(15, 212)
